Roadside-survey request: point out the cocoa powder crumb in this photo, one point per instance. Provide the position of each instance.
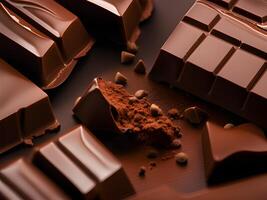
(136, 117)
(174, 113)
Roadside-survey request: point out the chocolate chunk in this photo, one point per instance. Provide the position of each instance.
(195, 115)
(209, 65)
(21, 180)
(141, 94)
(132, 47)
(115, 114)
(114, 20)
(42, 32)
(142, 171)
(21, 105)
(233, 153)
(120, 79)
(181, 158)
(83, 167)
(155, 110)
(127, 57)
(140, 67)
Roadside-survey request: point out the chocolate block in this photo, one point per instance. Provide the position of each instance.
(25, 109)
(115, 20)
(21, 180)
(40, 35)
(234, 152)
(218, 56)
(82, 167)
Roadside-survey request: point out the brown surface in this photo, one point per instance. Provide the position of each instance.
(105, 61)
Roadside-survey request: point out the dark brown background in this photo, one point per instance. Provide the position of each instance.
(104, 61)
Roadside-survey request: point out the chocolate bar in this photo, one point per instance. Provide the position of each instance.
(220, 56)
(21, 180)
(114, 20)
(40, 35)
(83, 167)
(234, 152)
(25, 109)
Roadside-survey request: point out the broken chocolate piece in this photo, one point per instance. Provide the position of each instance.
(195, 115)
(233, 153)
(42, 32)
(127, 57)
(115, 114)
(155, 110)
(83, 167)
(140, 67)
(20, 108)
(181, 158)
(24, 181)
(141, 94)
(120, 79)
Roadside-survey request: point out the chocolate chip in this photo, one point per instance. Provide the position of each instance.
(155, 110)
(142, 171)
(176, 143)
(140, 94)
(127, 57)
(132, 100)
(228, 126)
(120, 79)
(152, 154)
(140, 67)
(174, 113)
(195, 115)
(132, 47)
(181, 158)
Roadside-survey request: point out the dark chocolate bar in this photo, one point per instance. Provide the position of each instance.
(83, 167)
(219, 57)
(25, 110)
(114, 20)
(21, 180)
(41, 35)
(233, 152)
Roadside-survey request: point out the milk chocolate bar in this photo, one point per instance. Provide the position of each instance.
(216, 55)
(38, 39)
(83, 167)
(114, 20)
(25, 109)
(234, 152)
(21, 180)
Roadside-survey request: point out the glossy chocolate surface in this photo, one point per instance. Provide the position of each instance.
(234, 152)
(110, 19)
(21, 103)
(40, 36)
(223, 53)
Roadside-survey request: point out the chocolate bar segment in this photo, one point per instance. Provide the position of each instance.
(234, 152)
(21, 103)
(83, 167)
(27, 39)
(21, 180)
(220, 59)
(115, 20)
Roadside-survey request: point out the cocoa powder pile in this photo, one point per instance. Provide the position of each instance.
(133, 115)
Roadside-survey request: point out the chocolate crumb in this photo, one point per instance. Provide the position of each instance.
(174, 113)
(126, 57)
(152, 164)
(152, 154)
(142, 171)
(141, 94)
(28, 142)
(120, 79)
(132, 100)
(181, 158)
(228, 126)
(132, 47)
(155, 110)
(140, 67)
(195, 115)
(176, 144)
